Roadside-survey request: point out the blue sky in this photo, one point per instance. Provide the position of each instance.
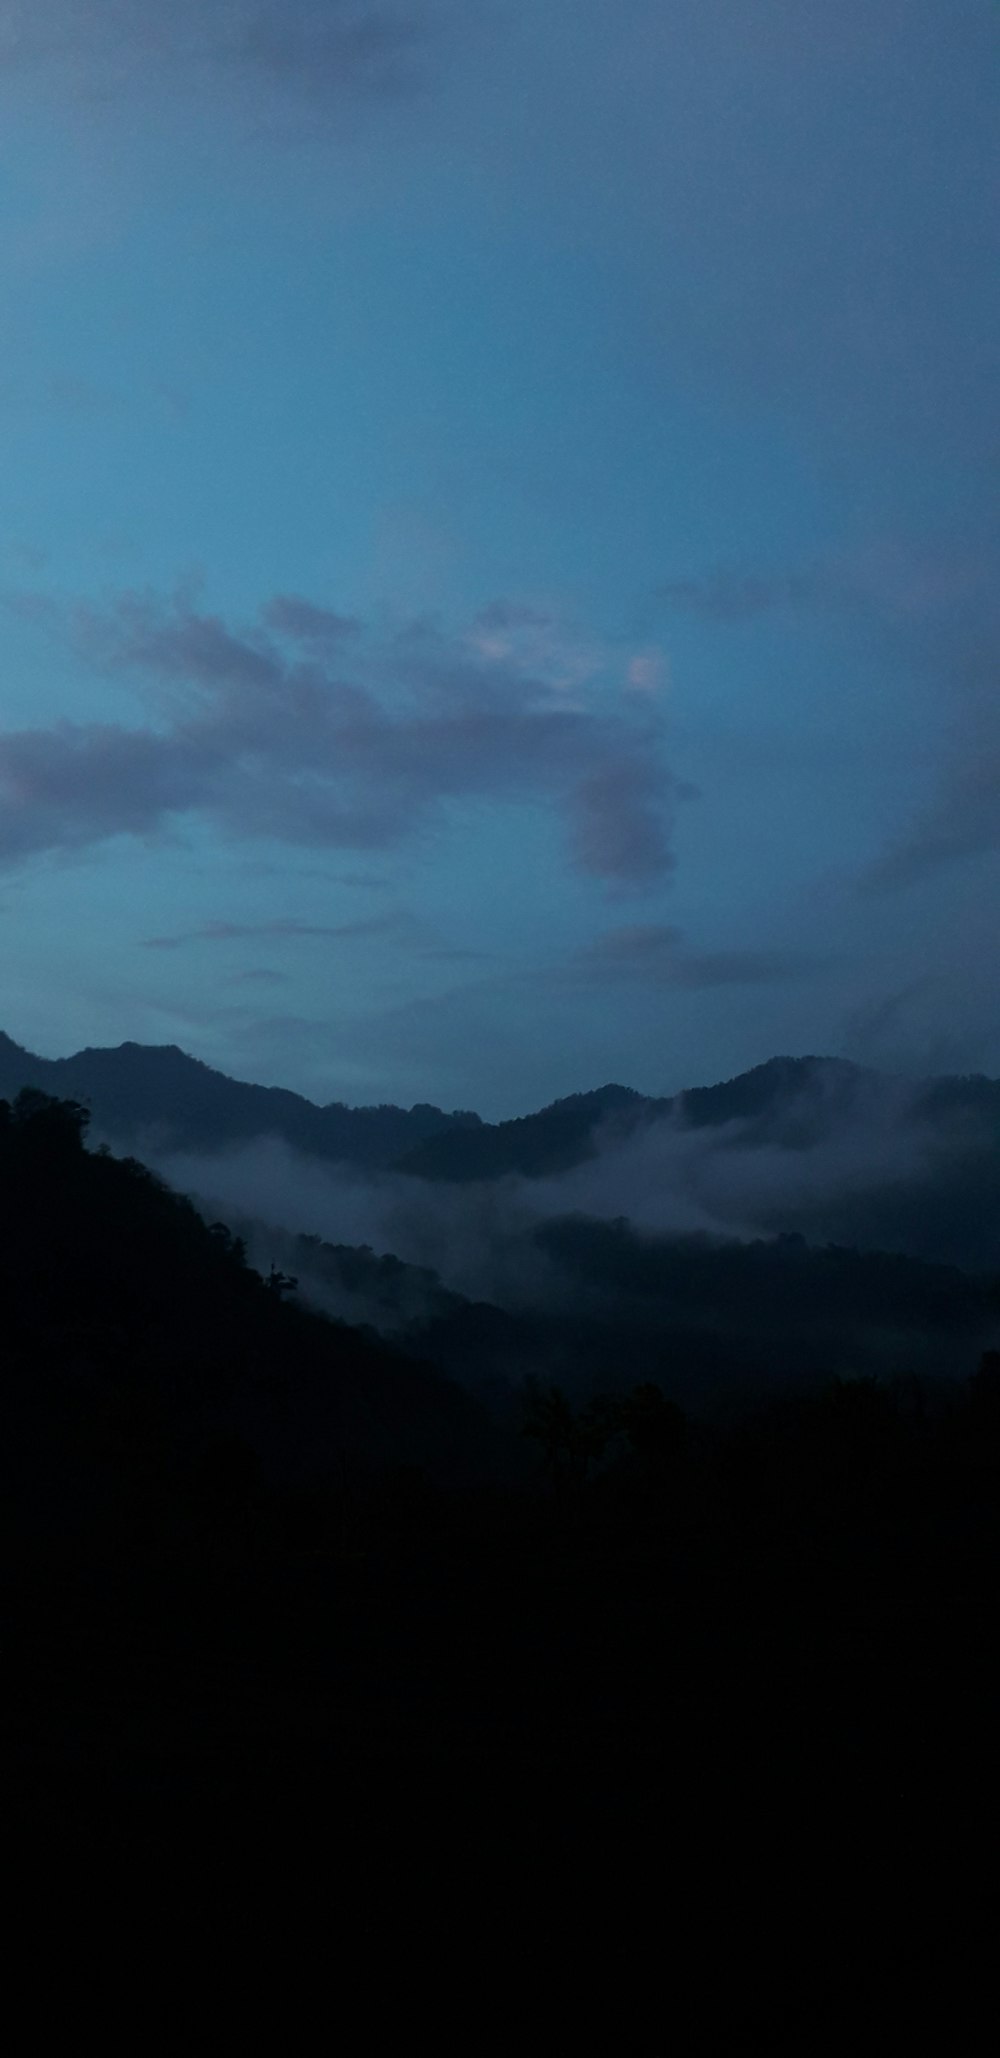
(498, 537)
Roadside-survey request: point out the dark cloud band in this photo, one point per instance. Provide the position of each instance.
(266, 737)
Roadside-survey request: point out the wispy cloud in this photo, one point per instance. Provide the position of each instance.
(656, 954)
(930, 603)
(894, 578)
(728, 595)
(961, 822)
(320, 49)
(281, 930)
(258, 975)
(958, 819)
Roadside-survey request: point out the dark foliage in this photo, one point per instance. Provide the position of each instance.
(124, 1315)
(276, 1614)
(780, 1281)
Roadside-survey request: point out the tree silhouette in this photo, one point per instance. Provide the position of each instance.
(573, 1441)
(984, 1390)
(655, 1427)
(549, 1421)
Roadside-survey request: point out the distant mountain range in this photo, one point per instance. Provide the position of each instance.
(155, 1094)
(842, 1258)
(140, 1092)
(791, 1102)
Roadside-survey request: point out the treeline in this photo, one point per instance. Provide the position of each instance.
(138, 1344)
(144, 1357)
(261, 1572)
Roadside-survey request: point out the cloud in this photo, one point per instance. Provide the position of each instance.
(278, 931)
(962, 823)
(318, 628)
(504, 615)
(648, 672)
(536, 642)
(318, 50)
(74, 785)
(655, 954)
(929, 603)
(920, 1028)
(262, 741)
(959, 820)
(726, 595)
(895, 578)
(448, 954)
(619, 827)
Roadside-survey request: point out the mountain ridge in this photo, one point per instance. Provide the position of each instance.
(146, 1094)
(136, 1090)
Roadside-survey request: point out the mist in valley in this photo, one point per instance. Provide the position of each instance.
(826, 1238)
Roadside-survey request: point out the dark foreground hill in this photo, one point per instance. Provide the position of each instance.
(134, 1332)
(712, 1321)
(696, 1709)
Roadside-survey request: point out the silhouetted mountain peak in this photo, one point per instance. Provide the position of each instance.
(150, 1056)
(778, 1080)
(610, 1096)
(538, 1145)
(140, 1092)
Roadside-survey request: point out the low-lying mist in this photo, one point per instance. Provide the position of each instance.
(819, 1241)
(883, 1178)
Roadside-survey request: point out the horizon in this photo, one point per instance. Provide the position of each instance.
(777, 1058)
(499, 539)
